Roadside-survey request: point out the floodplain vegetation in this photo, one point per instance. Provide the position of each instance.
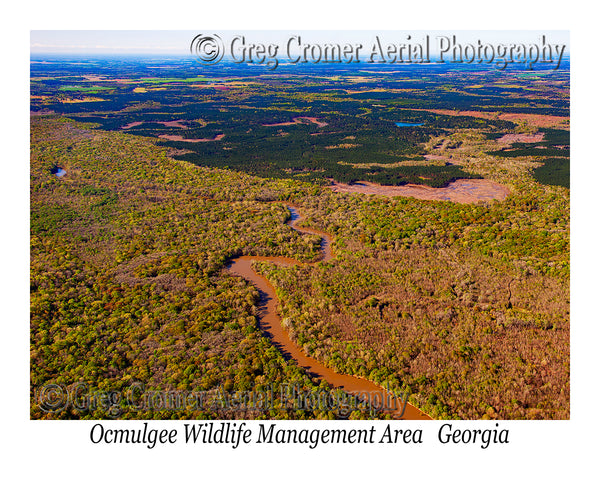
(464, 306)
(127, 253)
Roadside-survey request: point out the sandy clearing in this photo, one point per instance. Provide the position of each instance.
(536, 120)
(131, 125)
(283, 124)
(179, 138)
(460, 191)
(521, 138)
(297, 120)
(96, 78)
(313, 120)
(172, 123)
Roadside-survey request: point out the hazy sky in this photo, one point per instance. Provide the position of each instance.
(178, 42)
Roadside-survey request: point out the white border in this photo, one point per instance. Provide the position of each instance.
(549, 449)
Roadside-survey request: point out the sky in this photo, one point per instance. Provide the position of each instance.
(177, 42)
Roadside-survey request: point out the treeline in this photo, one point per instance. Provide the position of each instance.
(555, 171)
(554, 151)
(313, 168)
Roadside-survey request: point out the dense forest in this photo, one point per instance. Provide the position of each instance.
(126, 285)
(313, 127)
(461, 305)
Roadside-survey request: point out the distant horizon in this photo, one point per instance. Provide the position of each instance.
(228, 62)
(177, 42)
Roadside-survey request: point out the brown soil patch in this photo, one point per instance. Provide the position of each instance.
(542, 121)
(131, 125)
(521, 138)
(460, 191)
(278, 124)
(96, 78)
(296, 120)
(312, 120)
(174, 123)
(179, 138)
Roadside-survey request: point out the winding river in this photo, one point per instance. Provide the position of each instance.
(270, 323)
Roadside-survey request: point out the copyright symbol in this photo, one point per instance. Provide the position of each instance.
(207, 48)
(52, 397)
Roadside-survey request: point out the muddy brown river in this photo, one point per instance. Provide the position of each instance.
(270, 323)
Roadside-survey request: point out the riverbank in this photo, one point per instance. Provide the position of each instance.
(270, 323)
